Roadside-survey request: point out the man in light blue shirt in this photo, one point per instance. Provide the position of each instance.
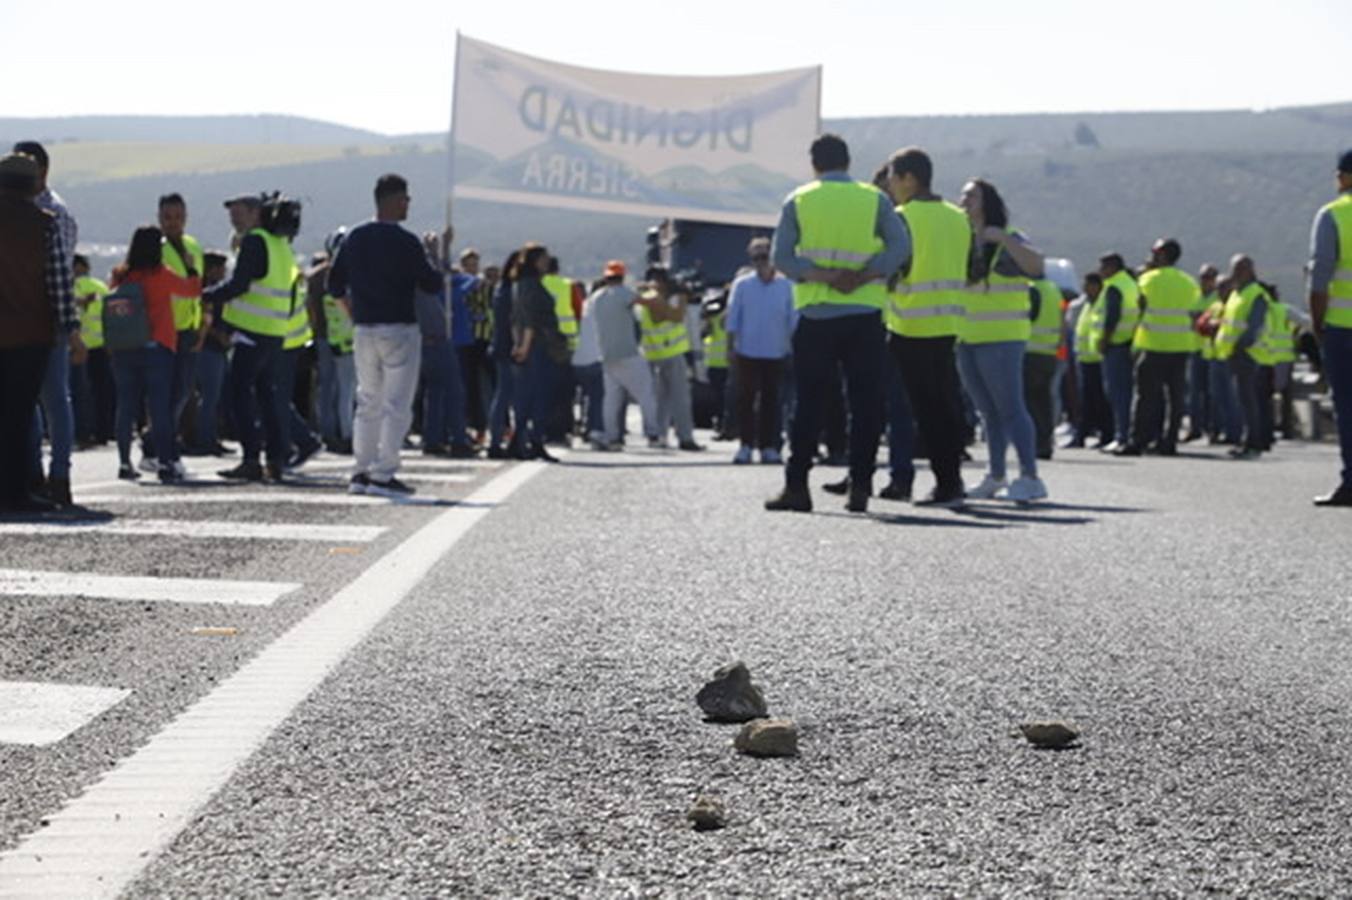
(760, 324)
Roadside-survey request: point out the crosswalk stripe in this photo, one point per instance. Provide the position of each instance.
(262, 531)
(416, 462)
(299, 497)
(37, 714)
(29, 582)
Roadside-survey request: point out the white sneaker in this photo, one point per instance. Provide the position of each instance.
(770, 456)
(180, 470)
(987, 489)
(743, 456)
(149, 464)
(1026, 490)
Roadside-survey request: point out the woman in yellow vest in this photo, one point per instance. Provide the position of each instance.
(93, 393)
(992, 340)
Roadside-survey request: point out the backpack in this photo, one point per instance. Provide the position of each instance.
(126, 321)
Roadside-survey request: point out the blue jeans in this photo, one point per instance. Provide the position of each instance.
(504, 389)
(254, 372)
(592, 383)
(534, 397)
(210, 378)
(185, 367)
(296, 429)
(1337, 349)
(443, 395)
(993, 377)
(900, 430)
(145, 377)
(1199, 395)
(327, 376)
(1117, 384)
(1225, 418)
(57, 413)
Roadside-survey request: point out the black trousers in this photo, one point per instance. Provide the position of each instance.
(758, 380)
(1245, 372)
(1096, 418)
(855, 345)
(1160, 378)
(1039, 371)
(1267, 422)
(929, 370)
(472, 375)
(255, 371)
(21, 372)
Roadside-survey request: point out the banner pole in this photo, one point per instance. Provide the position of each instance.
(450, 138)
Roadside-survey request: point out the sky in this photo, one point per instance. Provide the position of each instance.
(387, 66)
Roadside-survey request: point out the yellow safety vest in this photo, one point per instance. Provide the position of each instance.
(662, 340)
(1045, 337)
(187, 310)
(1131, 308)
(1166, 322)
(1087, 330)
(930, 300)
(266, 308)
(1236, 320)
(997, 307)
(1339, 313)
(1281, 338)
(1209, 306)
(91, 317)
(298, 330)
(716, 343)
(341, 332)
(561, 289)
(837, 229)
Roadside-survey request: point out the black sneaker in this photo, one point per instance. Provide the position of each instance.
(496, 452)
(840, 488)
(791, 499)
(691, 446)
(171, 475)
(58, 491)
(895, 491)
(391, 488)
(1341, 497)
(539, 452)
(463, 451)
(946, 498)
(245, 471)
(435, 450)
(274, 472)
(359, 484)
(858, 502)
(127, 472)
(303, 455)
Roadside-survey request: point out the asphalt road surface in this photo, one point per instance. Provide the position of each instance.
(240, 691)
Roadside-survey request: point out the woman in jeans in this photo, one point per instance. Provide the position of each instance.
(991, 344)
(500, 351)
(539, 350)
(144, 375)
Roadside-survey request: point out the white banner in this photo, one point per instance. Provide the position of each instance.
(719, 149)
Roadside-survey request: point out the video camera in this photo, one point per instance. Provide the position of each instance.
(281, 215)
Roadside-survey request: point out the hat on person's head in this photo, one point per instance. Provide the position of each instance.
(614, 269)
(1345, 162)
(19, 171)
(468, 252)
(247, 199)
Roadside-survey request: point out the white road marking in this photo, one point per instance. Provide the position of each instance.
(261, 531)
(300, 497)
(405, 463)
(101, 841)
(38, 714)
(32, 583)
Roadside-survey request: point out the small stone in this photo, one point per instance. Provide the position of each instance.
(707, 814)
(768, 737)
(1049, 735)
(731, 697)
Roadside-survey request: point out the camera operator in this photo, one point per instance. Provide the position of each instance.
(258, 308)
(666, 341)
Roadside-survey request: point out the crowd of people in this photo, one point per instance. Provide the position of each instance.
(876, 309)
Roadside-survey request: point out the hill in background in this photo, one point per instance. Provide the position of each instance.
(1221, 182)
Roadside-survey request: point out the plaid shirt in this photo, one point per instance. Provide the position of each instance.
(60, 283)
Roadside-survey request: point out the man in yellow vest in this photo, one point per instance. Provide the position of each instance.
(1165, 340)
(1119, 312)
(1242, 343)
(1331, 314)
(257, 306)
(666, 341)
(1199, 376)
(93, 392)
(181, 252)
(838, 240)
(561, 289)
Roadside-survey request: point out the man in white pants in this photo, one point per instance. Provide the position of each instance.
(377, 271)
(624, 368)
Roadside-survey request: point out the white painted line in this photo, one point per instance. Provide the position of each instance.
(30, 583)
(38, 714)
(190, 497)
(405, 464)
(257, 531)
(435, 477)
(165, 783)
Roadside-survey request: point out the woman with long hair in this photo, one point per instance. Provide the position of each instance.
(993, 337)
(539, 350)
(500, 351)
(144, 375)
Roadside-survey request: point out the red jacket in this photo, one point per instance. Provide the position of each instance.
(161, 286)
